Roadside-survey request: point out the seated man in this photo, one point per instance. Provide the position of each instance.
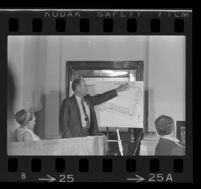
(168, 144)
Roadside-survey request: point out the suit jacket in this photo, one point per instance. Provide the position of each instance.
(70, 119)
(166, 147)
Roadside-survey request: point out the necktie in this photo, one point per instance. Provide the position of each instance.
(85, 114)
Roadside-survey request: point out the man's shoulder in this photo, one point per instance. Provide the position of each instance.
(174, 147)
(68, 100)
(87, 97)
(167, 141)
(163, 142)
(178, 150)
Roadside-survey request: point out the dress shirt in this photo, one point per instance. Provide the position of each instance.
(83, 121)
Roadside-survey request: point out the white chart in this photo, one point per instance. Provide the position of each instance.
(125, 110)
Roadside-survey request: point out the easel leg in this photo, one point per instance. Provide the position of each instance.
(136, 135)
(119, 142)
(107, 134)
(131, 147)
(139, 137)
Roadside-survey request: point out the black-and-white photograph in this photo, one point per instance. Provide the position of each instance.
(96, 95)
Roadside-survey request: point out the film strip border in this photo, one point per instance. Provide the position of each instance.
(101, 169)
(95, 169)
(96, 22)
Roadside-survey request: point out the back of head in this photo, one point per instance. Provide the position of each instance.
(22, 117)
(164, 125)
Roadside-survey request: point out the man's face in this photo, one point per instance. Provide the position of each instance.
(82, 88)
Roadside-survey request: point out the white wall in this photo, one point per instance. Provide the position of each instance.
(166, 77)
(52, 87)
(39, 63)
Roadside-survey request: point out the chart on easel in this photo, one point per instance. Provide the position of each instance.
(126, 110)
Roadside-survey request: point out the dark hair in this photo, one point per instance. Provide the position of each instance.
(23, 117)
(164, 125)
(75, 83)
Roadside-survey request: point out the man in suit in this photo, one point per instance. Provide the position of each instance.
(168, 143)
(77, 114)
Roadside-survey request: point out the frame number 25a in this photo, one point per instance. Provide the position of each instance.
(160, 177)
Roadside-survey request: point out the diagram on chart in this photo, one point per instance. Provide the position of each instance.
(125, 110)
(127, 103)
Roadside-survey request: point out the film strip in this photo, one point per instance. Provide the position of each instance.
(16, 25)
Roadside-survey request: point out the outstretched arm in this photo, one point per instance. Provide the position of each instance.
(123, 87)
(100, 98)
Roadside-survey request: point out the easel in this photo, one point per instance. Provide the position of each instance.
(118, 140)
(132, 140)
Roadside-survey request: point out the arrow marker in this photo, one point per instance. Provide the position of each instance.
(49, 179)
(138, 179)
